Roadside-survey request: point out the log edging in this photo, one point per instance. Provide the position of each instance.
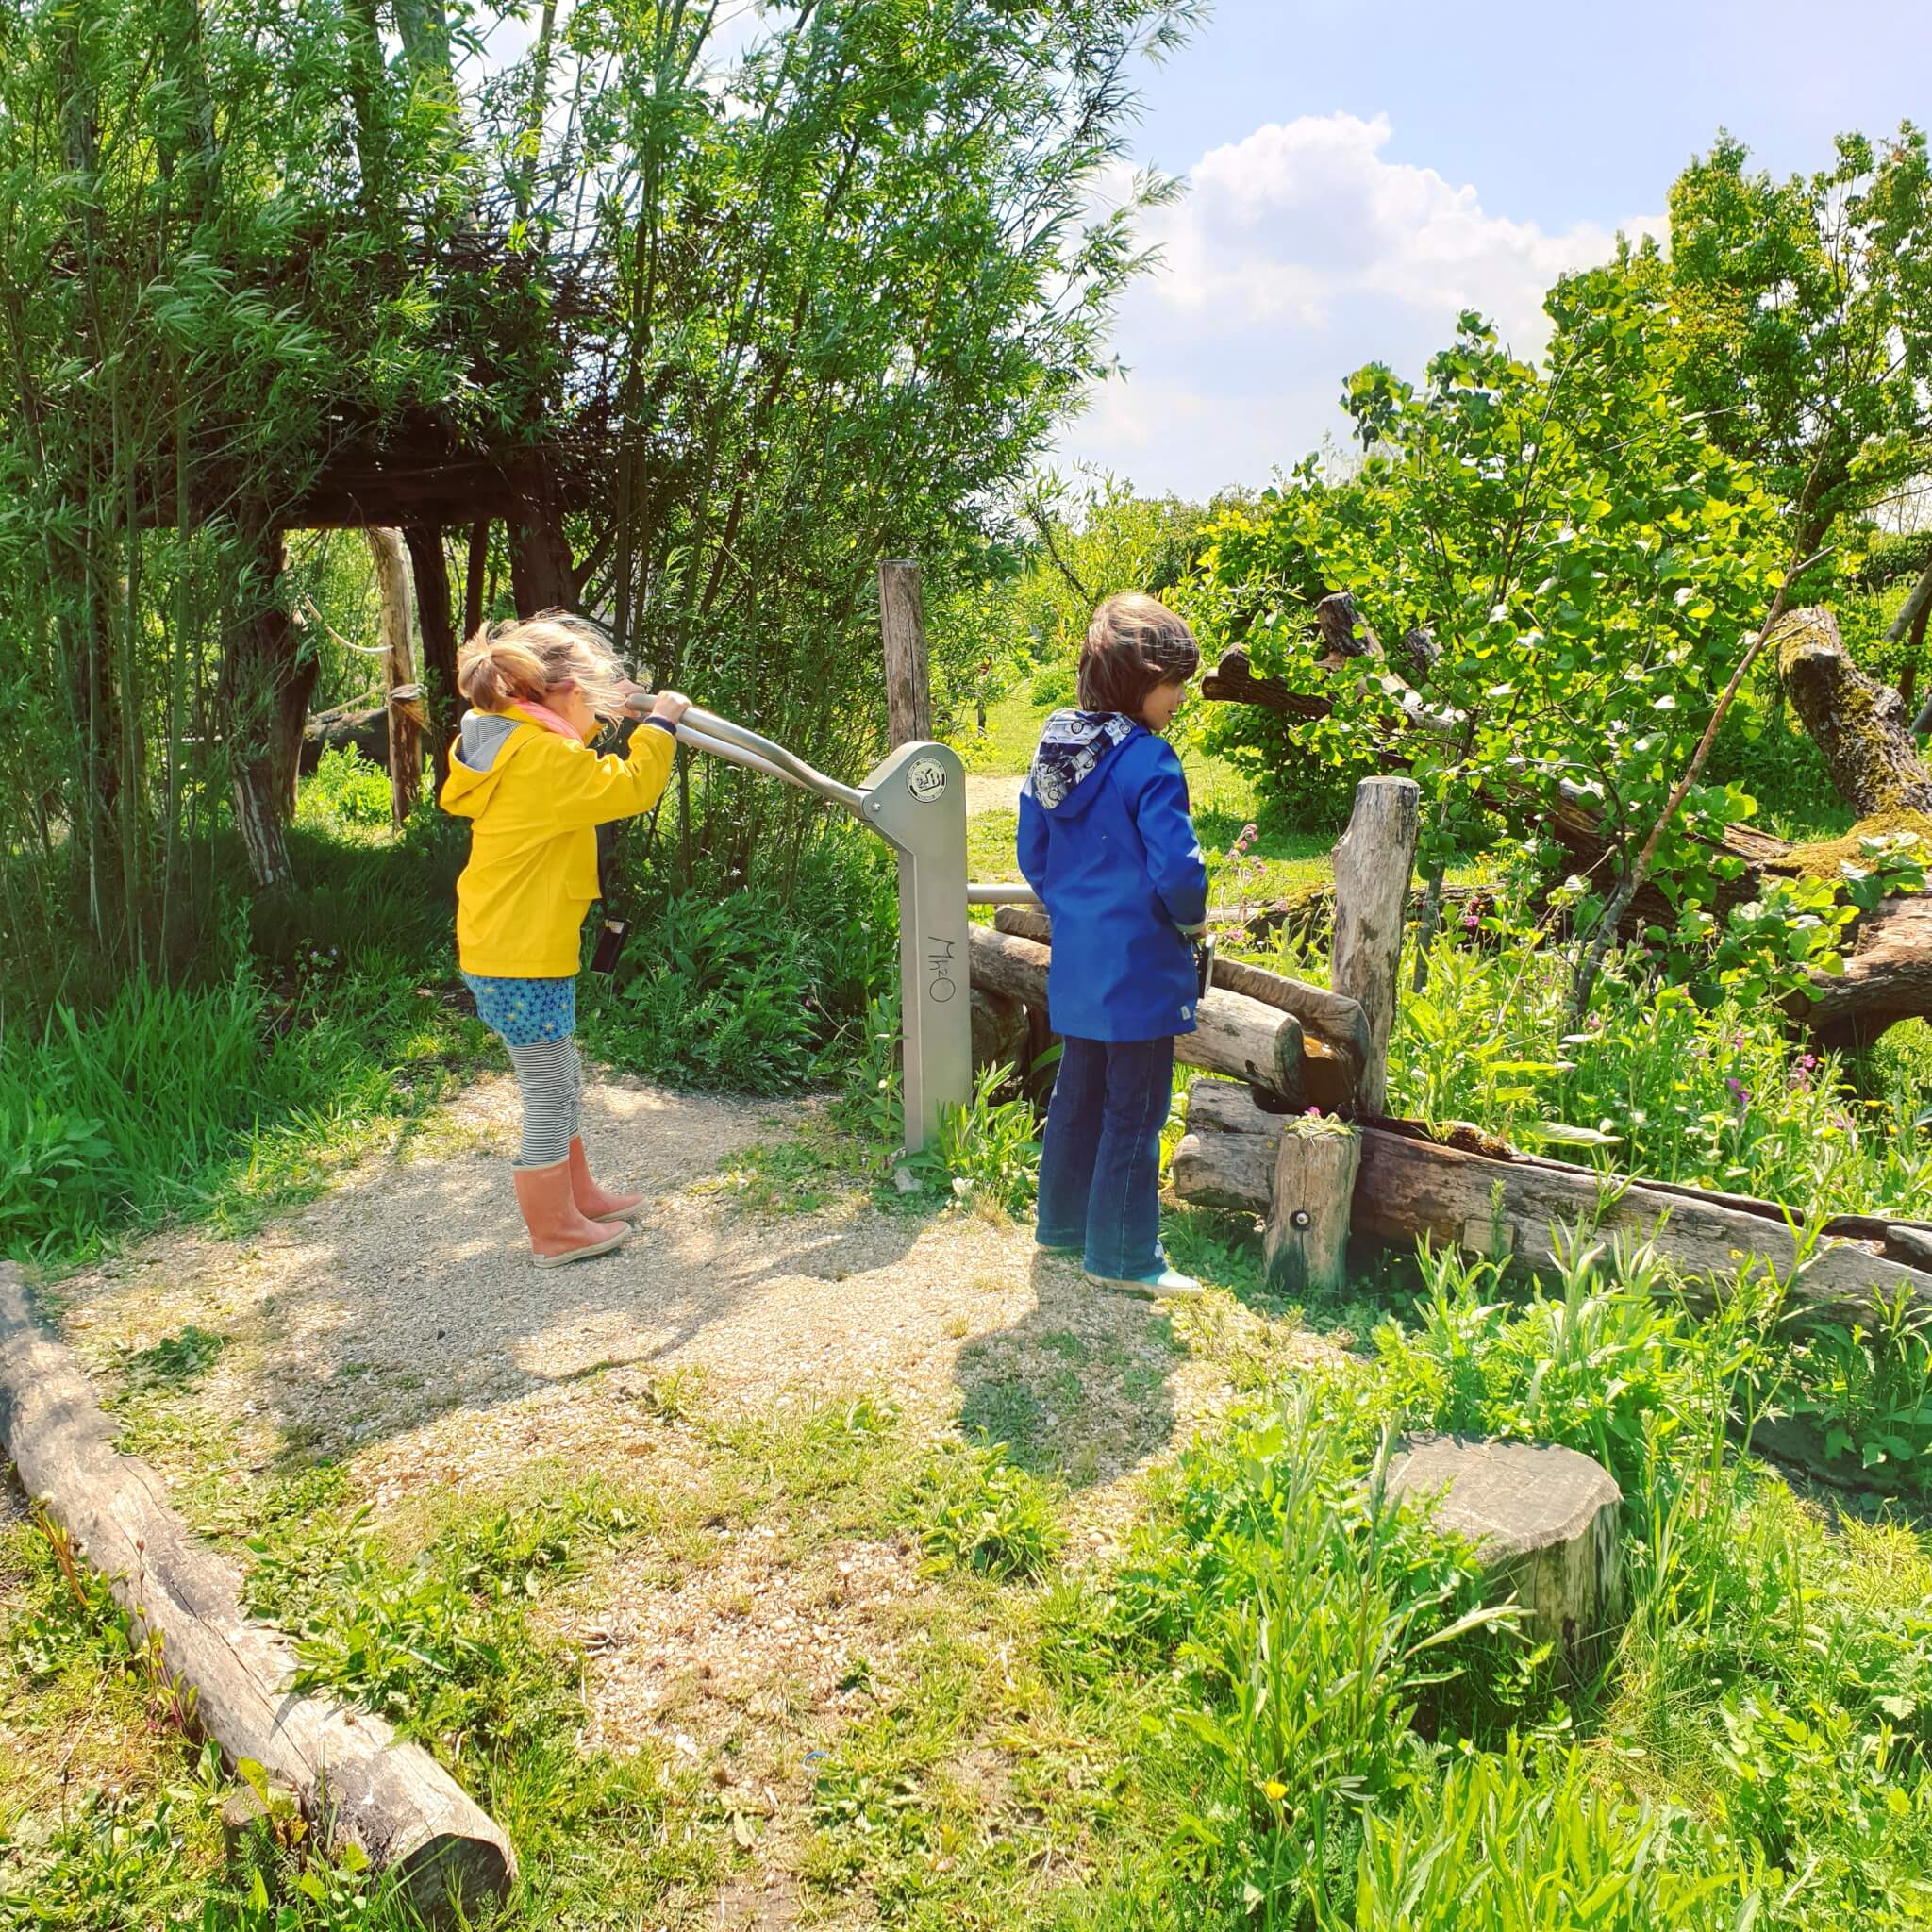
(1495, 1201)
(346, 1767)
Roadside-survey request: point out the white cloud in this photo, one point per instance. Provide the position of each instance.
(1296, 255)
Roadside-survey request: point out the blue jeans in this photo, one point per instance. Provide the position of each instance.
(1100, 1161)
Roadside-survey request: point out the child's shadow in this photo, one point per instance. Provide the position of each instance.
(1078, 1386)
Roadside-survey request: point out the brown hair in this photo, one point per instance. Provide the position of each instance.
(1134, 644)
(525, 659)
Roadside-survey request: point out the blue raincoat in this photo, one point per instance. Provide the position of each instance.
(1106, 842)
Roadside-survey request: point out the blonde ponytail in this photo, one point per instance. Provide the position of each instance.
(525, 659)
(495, 671)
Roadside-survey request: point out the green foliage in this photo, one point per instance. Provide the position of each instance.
(439, 1646)
(1862, 1393)
(174, 1360)
(1601, 1366)
(1803, 312)
(753, 986)
(765, 305)
(1771, 945)
(1895, 557)
(191, 1100)
(109, 1861)
(347, 791)
(1585, 558)
(1531, 1841)
(976, 1511)
(986, 1150)
(1709, 1096)
(1091, 537)
(721, 996)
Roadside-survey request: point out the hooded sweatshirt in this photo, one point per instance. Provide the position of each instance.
(534, 799)
(1106, 843)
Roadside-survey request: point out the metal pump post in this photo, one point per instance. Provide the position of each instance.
(915, 801)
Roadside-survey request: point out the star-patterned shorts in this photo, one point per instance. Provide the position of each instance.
(525, 1010)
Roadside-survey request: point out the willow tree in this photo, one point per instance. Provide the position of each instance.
(704, 325)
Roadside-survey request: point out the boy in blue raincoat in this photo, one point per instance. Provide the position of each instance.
(1106, 842)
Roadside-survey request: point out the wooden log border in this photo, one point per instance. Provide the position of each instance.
(1495, 1201)
(346, 1767)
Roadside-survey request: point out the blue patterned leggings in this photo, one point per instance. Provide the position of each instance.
(536, 1020)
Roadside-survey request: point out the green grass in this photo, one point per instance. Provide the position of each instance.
(327, 1034)
(1277, 863)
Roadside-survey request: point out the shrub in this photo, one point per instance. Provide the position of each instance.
(1055, 684)
(347, 789)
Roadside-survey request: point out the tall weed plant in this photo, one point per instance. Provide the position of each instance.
(1657, 1085)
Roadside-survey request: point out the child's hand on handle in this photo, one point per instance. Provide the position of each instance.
(670, 706)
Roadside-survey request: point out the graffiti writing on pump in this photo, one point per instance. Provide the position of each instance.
(939, 959)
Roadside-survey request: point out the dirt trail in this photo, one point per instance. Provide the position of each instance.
(397, 1326)
(992, 792)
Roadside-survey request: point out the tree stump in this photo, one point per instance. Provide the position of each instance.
(1306, 1236)
(1543, 1519)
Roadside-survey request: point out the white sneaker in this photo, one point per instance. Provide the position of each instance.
(1170, 1285)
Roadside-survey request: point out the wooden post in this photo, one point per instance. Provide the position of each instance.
(1306, 1236)
(398, 670)
(901, 624)
(345, 1767)
(1372, 868)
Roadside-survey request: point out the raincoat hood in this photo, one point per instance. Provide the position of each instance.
(483, 750)
(1075, 747)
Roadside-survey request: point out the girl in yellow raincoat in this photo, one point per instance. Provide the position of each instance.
(522, 772)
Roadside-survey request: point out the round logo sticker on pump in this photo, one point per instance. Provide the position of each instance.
(925, 778)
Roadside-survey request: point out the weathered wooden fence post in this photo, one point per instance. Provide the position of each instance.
(386, 551)
(901, 624)
(1372, 865)
(1305, 1241)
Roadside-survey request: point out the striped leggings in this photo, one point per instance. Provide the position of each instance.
(551, 1078)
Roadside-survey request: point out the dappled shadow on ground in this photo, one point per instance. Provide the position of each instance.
(1079, 1387)
(410, 1292)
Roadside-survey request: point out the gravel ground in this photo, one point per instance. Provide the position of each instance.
(397, 1326)
(995, 791)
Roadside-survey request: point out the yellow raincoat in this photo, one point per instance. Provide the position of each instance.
(533, 846)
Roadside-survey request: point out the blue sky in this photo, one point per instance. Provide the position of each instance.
(1359, 170)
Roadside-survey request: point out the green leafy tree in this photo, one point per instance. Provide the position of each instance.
(1805, 320)
(757, 315)
(1585, 559)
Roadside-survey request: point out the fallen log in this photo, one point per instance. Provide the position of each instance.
(1338, 1024)
(365, 732)
(345, 1767)
(1233, 1033)
(1498, 1202)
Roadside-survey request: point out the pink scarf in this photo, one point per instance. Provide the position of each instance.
(543, 715)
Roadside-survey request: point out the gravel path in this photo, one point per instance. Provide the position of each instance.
(992, 792)
(398, 1324)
